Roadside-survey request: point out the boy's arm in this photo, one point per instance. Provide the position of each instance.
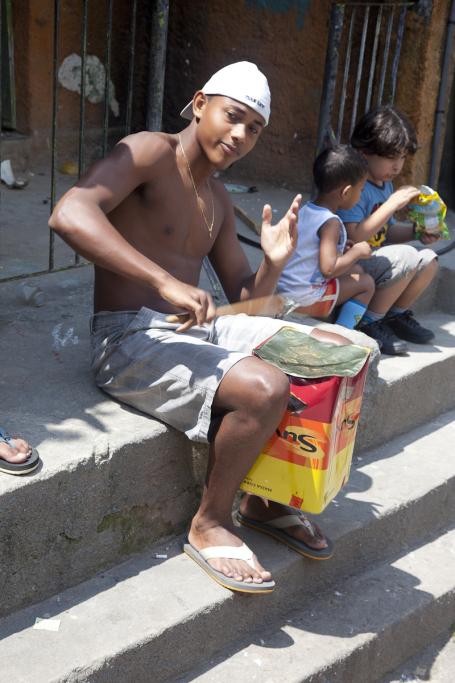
(80, 218)
(370, 225)
(229, 260)
(331, 263)
(402, 231)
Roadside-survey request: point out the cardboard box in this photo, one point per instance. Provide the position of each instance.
(308, 459)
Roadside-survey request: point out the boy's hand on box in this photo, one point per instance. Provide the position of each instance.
(403, 196)
(279, 241)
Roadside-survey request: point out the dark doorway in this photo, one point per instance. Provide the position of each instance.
(447, 177)
(7, 61)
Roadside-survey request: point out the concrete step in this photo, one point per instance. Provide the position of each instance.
(154, 617)
(439, 295)
(352, 634)
(444, 299)
(410, 389)
(114, 481)
(435, 664)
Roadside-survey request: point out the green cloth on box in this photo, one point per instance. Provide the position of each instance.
(300, 355)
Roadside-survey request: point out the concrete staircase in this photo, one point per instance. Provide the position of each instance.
(92, 542)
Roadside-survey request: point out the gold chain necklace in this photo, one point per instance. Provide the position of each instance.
(199, 200)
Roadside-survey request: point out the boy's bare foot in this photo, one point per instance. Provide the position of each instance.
(16, 455)
(16, 450)
(308, 534)
(203, 535)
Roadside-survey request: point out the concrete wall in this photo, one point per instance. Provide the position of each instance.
(34, 45)
(287, 40)
(418, 82)
(446, 181)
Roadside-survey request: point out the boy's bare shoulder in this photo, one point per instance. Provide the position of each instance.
(332, 224)
(148, 148)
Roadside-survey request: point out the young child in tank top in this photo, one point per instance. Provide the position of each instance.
(323, 272)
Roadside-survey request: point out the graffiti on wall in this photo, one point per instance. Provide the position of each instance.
(69, 76)
(283, 6)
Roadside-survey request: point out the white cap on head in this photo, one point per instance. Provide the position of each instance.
(241, 81)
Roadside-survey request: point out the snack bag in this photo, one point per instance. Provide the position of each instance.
(429, 213)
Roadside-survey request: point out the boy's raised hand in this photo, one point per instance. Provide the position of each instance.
(403, 196)
(279, 241)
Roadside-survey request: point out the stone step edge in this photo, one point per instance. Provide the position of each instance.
(62, 528)
(426, 376)
(365, 628)
(434, 662)
(197, 602)
(150, 429)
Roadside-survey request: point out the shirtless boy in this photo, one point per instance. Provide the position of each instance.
(147, 215)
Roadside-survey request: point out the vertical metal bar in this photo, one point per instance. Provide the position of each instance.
(359, 69)
(81, 164)
(347, 64)
(157, 64)
(107, 76)
(386, 55)
(55, 61)
(82, 97)
(396, 56)
(445, 87)
(129, 101)
(374, 53)
(330, 73)
(1, 83)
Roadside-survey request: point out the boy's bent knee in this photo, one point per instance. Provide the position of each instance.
(368, 283)
(431, 262)
(255, 385)
(268, 388)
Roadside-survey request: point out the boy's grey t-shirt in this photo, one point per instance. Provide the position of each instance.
(372, 197)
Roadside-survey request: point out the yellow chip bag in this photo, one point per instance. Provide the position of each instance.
(428, 214)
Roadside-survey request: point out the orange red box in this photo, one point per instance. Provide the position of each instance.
(308, 459)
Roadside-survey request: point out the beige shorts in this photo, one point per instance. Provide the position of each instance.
(393, 262)
(138, 358)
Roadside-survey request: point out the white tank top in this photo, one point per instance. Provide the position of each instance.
(301, 278)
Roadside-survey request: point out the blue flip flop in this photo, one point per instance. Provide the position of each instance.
(25, 467)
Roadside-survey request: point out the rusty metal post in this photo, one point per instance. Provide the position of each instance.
(330, 74)
(157, 64)
(55, 61)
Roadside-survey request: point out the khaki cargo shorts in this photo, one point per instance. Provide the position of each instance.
(138, 358)
(393, 262)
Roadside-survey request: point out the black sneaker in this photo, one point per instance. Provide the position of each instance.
(405, 326)
(387, 340)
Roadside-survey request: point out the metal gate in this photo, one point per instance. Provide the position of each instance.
(362, 60)
(158, 27)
